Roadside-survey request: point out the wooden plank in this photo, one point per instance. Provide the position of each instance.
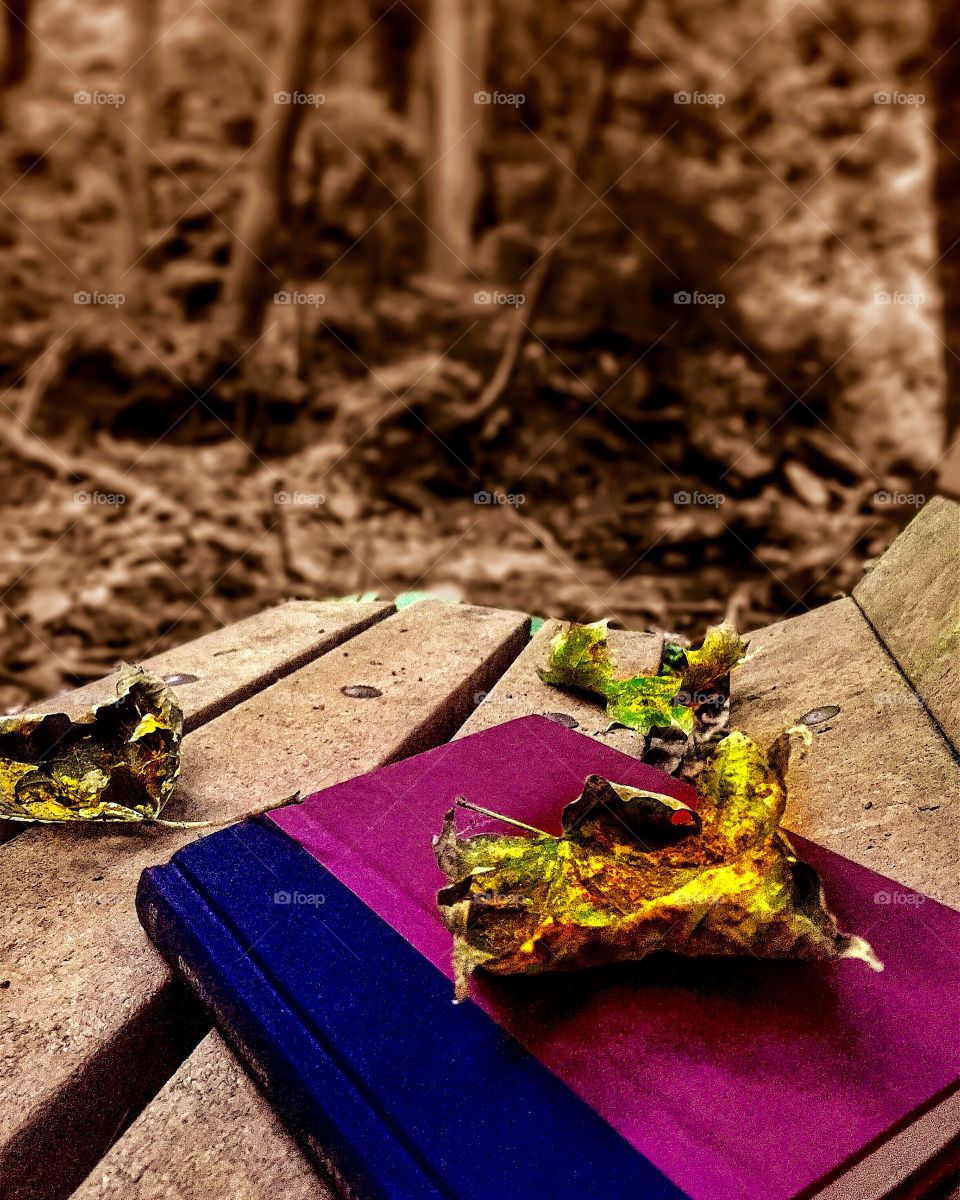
(233, 663)
(880, 783)
(780, 684)
(181, 1141)
(84, 978)
(520, 692)
(911, 597)
(229, 665)
(886, 1170)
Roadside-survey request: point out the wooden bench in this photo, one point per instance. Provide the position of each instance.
(113, 1086)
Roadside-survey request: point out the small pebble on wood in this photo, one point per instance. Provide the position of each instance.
(816, 716)
(563, 719)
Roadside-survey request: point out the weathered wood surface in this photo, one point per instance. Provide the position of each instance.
(782, 682)
(208, 1133)
(86, 990)
(232, 663)
(911, 596)
(880, 783)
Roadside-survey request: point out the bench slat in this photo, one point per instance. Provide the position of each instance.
(911, 596)
(233, 663)
(880, 784)
(208, 1133)
(83, 976)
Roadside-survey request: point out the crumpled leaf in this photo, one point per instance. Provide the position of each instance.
(580, 658)
(118, 762)
(722, 649)
(635, 872)
(648, 702)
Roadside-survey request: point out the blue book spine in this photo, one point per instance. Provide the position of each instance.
(353, 1037)
(301, 1079)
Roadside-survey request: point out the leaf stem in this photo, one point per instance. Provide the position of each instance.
(487, 812)
(254, 812)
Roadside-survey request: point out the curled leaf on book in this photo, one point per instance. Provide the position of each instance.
(635, 872)
(117, 762)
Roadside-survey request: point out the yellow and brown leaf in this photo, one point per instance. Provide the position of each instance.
(117, 762)
(635, 872)
(579, 657)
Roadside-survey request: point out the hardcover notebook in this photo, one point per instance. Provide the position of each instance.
(313, 935)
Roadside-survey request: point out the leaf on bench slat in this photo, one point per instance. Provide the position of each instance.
(117, 762)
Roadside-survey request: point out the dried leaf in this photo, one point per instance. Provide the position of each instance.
(701, 670)
(579, 658)
(648, 702)
(635, 872)
(683, 710)
(118, 762)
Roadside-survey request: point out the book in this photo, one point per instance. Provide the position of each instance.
(313, 936)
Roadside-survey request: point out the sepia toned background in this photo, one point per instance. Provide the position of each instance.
(642, 309)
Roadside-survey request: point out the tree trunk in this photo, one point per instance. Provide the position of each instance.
(456, 52)
(252, 279)
(946, 124)
(16, 61)
(141, 82)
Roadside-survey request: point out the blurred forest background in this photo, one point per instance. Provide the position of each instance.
(585, 308)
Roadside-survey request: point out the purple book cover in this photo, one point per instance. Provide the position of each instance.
(721, 1073)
